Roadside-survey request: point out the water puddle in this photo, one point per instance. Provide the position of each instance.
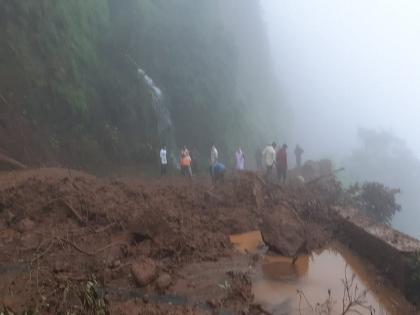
(248, 242)
(278, 280)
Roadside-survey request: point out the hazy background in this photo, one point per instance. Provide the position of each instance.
(346, 65)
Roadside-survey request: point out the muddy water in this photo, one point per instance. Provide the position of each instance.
(248, 242)
(277, 281)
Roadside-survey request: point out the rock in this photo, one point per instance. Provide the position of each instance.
(3, 225)
(213, 303)
(116, 264)
(144, 271)
(164, 281)
(61, 266)
(25, 225)
(283, 231)
(9, 217)
(114, 255)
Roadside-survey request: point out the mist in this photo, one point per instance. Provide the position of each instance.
(345, 66)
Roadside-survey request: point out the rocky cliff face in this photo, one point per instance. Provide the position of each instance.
(79, 79)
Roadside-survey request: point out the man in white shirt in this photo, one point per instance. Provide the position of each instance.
(163, 161)
(269, 158)
(214, 155)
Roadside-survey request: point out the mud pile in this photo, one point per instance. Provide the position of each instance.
(71, 242)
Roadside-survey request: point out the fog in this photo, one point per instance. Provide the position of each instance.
(346, 65)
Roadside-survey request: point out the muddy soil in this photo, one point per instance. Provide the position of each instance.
(71, 242)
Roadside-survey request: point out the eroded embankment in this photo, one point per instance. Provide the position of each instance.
(72, 242)
(395, 254)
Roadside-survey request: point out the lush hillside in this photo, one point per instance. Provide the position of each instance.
(71, 90)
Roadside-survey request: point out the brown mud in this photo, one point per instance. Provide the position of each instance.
(276, 279)
(71, 242)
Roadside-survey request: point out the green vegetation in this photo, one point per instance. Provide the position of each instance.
(375, 200)
(70, 68)
(385, 158)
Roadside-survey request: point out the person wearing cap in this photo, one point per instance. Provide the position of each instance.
(281, 163)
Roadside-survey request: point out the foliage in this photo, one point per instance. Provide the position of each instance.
(71, 66)
(92, 299)
(383, 157)
(375, 200)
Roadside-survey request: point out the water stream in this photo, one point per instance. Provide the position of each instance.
(278, 280)
(164, 121)
(161, 111)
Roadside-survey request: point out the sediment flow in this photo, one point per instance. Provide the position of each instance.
(71, 242)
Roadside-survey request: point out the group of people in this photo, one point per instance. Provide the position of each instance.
(271, 158)
(216, 168)
(278, 160)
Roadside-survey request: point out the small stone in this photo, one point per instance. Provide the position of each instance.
(61, 266)
(213, 303)
(144, 271)
(9, 216)
(164, 281)
(116, 264)
(25, 225)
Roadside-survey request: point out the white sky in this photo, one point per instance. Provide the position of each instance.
(344, 64)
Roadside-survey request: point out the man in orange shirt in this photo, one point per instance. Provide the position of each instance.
(186, 162)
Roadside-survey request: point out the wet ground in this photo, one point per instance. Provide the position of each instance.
(62, 230)
(301, 285)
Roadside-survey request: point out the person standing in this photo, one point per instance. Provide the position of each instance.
(185, 161)
(298, 153)
(281, 163)
(269, 158)
(163, 161)
(195, 158)
(239, 159)
(258, 158)
(218, 173)
(214, 155)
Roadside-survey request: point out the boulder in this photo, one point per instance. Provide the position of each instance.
(283, 232)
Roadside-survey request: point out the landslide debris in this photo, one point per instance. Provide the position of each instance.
(61, 230)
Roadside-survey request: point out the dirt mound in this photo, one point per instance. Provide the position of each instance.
(62, 230)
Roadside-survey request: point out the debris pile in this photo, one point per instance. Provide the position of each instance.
(61, 230)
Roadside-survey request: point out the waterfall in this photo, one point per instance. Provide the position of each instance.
(162, 112)
(165, 127)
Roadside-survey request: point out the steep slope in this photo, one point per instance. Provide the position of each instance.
(77, 79)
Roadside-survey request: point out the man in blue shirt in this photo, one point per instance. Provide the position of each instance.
(218, 172)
